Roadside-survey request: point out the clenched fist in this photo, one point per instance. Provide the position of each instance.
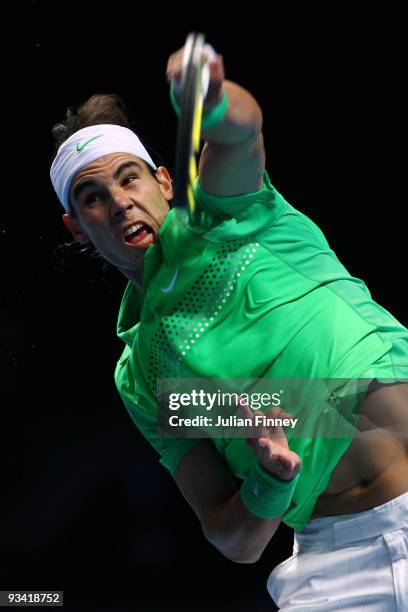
(216, 68)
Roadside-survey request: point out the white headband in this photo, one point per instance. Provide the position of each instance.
(87, 145)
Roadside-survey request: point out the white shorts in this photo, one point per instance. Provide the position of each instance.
(347, 563)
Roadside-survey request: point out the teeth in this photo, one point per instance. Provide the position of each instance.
(132, 228)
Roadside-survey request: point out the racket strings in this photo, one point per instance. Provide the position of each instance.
(189, 130)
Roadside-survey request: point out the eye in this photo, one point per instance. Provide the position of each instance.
(129, 178)
(91, 198)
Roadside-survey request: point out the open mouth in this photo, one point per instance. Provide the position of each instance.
(139, 234)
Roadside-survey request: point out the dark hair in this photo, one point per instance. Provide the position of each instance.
(100, 108)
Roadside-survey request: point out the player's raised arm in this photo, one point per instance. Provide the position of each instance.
(233, 157)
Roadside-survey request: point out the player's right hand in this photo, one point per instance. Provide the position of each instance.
(271, 446)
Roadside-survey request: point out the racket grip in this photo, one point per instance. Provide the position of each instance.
(175, 84)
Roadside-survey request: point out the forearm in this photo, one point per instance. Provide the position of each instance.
(207, 484)
(240, 523)
(236, 532)
(242, 121)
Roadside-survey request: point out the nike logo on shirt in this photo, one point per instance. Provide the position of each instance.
(255, 489)
(170, 287)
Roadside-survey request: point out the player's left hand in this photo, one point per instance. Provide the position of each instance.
(217, 74)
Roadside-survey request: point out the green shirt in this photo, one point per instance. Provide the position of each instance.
(256, 292)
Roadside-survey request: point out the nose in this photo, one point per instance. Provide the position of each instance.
(120, 204)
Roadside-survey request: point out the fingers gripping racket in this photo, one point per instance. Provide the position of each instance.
(193, 89)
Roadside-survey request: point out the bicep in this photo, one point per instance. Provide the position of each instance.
(232, 169)
(204, 479)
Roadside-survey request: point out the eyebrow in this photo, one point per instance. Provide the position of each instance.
(125, 166)
(93, 184)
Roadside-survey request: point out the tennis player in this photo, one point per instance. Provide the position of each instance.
(255, 292)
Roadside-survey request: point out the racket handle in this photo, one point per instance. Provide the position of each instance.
(175, 84)
(205, 74)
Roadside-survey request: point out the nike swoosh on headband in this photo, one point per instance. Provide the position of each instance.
(82, 146)
(170, 287)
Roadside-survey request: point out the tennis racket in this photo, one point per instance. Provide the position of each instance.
(193, 89)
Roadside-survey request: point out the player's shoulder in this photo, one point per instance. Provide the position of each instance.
(232, 169)
(244, 205)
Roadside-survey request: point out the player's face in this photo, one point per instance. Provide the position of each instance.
(119, 207)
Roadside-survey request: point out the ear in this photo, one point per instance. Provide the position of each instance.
(73, 226)
(166, 183)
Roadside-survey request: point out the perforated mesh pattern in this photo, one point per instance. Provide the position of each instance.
(195, 313)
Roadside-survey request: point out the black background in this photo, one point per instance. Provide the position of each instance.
(86, 508)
